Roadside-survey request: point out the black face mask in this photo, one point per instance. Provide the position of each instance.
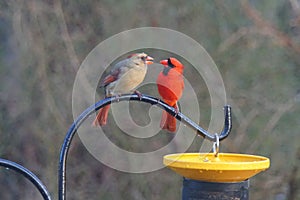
(167, 69)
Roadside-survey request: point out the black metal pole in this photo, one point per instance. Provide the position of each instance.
(133, 97)
(27, 174)
(201, 190)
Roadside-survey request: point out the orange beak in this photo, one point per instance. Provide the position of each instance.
(149, 60)
(164, 62)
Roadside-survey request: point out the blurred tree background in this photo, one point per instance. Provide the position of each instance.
(255, 44)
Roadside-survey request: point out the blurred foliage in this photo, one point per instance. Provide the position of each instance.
(255, 44)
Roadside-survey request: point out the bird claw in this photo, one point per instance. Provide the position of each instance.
(139, 94)
(176, 109)
(118, 97)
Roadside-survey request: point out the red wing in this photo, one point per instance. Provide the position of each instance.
(108, 79)
(111, 77)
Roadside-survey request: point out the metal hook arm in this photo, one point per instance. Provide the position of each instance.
(144, 98)
(200, 131)
(28, 175)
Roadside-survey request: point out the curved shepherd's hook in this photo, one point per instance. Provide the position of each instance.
(130, 97)
(27, 174)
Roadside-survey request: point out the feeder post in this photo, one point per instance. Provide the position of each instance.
(200, 190)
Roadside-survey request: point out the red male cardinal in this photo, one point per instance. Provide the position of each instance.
(124, 77)
(170, 85)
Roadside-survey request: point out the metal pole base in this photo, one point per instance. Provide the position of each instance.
(199, 190)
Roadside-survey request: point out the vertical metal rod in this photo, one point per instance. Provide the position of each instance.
(66, 145)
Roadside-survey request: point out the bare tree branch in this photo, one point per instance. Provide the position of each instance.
(65, 35)
(267, 29)
(282, 109)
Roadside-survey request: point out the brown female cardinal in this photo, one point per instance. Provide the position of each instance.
(170, 85)
(124, 77)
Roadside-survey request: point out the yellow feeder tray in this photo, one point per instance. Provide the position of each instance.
(226, 167)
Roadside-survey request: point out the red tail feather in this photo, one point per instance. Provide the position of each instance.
(168, 122)
(101, 118)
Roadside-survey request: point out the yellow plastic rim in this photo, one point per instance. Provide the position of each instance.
(224, 168)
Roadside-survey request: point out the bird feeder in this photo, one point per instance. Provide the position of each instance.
(221, 176)
(207, 176)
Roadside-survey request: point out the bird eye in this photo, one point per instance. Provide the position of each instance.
(143, 58)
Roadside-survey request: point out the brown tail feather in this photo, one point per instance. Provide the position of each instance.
(101, 117)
